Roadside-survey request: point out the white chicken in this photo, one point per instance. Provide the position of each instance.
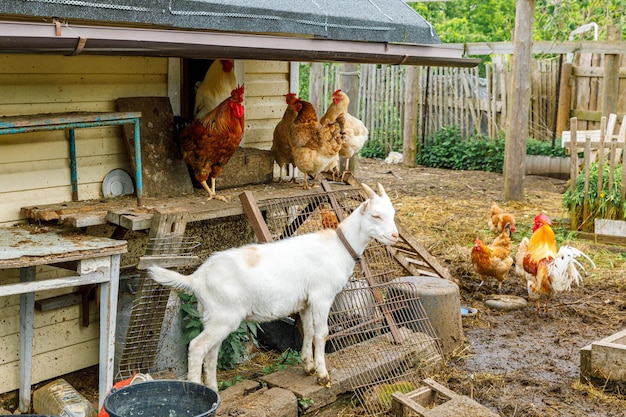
(218, 82)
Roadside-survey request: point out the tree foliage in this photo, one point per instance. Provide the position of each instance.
(494, 20)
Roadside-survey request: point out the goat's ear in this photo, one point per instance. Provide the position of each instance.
(370, 193)
(364, 206)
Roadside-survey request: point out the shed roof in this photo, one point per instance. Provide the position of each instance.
(309, 30)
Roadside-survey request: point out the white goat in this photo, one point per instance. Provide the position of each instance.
(265, 282)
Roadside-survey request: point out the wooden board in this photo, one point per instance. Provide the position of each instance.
(164, 171)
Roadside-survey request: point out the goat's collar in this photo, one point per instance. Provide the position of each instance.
(346, 245)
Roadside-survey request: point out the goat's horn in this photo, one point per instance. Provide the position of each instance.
(381, 190)
(370, 192)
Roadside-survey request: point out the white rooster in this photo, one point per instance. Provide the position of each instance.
(545, 271)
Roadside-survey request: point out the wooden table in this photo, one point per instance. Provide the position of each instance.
(78, 120)
(95, 260)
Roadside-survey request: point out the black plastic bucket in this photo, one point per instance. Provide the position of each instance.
(162, 398)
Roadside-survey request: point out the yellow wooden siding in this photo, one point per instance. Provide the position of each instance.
(35, 169)
(39, 161)
(266, 83)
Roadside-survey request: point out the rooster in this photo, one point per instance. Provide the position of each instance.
(544, 270)
(315, 146)
(208, 143)
(499, 218)
(493, 260)
(218, 82)
(354, 129)
(281, 149)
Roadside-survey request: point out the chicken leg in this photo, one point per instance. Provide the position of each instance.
(211, 190)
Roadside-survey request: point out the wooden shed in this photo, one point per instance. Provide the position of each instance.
(59, 58)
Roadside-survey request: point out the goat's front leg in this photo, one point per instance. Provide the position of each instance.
(307, 341)
(320, 333)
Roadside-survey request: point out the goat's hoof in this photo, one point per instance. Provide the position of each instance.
(325, 382)
(310, 372)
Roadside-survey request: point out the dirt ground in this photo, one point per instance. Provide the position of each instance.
(518, 363)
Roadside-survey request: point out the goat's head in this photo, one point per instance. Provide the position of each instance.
(379, 215)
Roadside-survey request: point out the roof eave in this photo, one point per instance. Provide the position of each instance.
(30, 37)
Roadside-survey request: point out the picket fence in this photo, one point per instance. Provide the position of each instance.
(447, 97)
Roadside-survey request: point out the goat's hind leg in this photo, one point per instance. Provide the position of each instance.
(320, 333)
(204, 350)
(307, 341)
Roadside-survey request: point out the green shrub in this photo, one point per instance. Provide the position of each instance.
(447, 149)
(542, 147)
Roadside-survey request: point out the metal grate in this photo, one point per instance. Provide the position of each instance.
(378, 329)
(148, 309)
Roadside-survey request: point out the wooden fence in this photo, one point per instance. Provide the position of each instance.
(461, 97)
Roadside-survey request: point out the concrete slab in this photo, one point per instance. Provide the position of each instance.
(605, 360)
(248, 399)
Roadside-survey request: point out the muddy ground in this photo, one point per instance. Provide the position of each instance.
(518, 363)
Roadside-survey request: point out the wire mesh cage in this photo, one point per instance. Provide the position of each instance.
(379, 332)
(148, 309)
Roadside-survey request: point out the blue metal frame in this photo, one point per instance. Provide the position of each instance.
(72, 121)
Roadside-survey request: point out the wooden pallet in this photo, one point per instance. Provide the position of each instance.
(435, 400)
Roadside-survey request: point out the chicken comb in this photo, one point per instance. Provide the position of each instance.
(542, 218)
(238, 92)
(337, 91)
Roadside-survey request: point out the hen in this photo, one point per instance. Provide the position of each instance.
(315, 146)
(218, 82)
(208, 143)
(499, 218)
(281, 149)
(354, 129)
(493, 260)
(545, 271)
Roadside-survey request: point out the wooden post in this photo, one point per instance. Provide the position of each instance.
(316, 78)
(610, 86)
(517, 128)
(409, 129)
(349, 84)
(565, 99)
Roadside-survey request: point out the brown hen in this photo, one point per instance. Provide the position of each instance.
(281, 149)
(493, 260)
(315, 146)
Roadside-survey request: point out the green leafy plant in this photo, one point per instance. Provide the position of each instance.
(288, 358)
(304, 403)
(233, 349)
(604, 204)
(541, 147)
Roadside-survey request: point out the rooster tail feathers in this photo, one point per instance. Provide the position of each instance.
(171, 278)
(565, 270)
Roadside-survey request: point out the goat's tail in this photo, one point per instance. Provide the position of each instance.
(171, 278)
